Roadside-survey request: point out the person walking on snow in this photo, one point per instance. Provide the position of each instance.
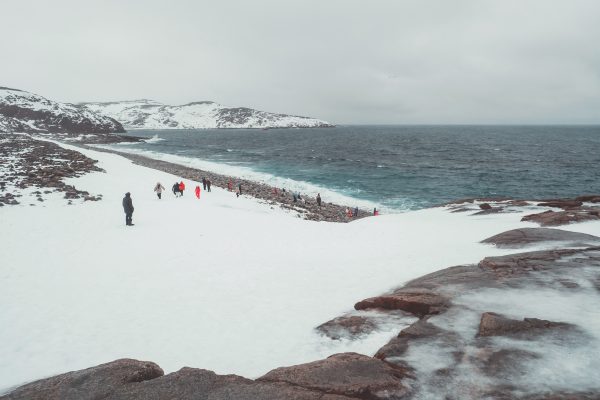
(175, 188)
(204, 183)
(181, 188)
(128, 208)
(198, 192)
(240, 187)
(208, 183)
(159, 189)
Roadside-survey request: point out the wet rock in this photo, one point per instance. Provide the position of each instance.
(592, 395)
(592, 198)
(399, 344)
(561, 203)
(419, 302)
(347, 374)
(553, 218)
(349, 326)
(485, 206)
(493, 324)
(525, 236)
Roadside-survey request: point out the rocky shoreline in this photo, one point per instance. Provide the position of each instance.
(306, 208)
(35, 163)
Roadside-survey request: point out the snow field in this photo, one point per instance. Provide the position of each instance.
(223, 283)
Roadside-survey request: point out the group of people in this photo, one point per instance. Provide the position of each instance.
(179, 187)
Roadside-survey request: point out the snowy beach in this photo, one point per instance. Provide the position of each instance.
(230, 284)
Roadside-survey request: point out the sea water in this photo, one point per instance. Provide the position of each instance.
(398, 167)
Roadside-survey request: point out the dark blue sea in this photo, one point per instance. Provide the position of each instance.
(397, 167)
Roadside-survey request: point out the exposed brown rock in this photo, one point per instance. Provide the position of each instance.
(561, 203)
(399, 344)
(347, 326)
(419, 302)
(525, 236)
(556, 218)
(493, 324)
(136, 380)
(485, 206)
(100, 382)
(590, 198)
(347, 374)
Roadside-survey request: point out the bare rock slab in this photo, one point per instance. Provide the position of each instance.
(100, 382)
(347, 374)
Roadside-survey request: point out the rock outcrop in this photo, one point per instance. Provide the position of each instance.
(340, 377)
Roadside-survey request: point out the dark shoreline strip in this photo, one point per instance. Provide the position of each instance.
(329, 212)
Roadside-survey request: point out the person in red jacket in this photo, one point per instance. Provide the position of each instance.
(181, 188)
(198, 191)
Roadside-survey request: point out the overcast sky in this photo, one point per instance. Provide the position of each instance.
(345, 61)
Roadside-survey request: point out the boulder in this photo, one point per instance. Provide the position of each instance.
(347, 374)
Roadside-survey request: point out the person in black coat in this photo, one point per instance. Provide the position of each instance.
(128, 208)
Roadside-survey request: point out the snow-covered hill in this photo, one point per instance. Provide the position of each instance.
(150, 114)
(22, 111)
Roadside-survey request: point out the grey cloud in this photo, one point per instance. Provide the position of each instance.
(346, 61)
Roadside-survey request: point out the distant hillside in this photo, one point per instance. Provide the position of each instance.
(22, 111)
(150, 114)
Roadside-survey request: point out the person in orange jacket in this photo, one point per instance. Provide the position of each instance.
(181, 188)
(198, 191)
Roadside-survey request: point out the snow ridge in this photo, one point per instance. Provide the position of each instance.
(150, 114)
(21, 111)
